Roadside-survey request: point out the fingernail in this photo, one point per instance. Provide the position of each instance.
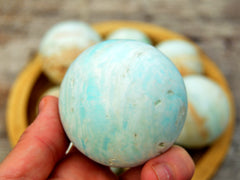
(163, 171)
(42, 104)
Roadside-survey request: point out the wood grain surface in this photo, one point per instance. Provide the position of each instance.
(213, 25)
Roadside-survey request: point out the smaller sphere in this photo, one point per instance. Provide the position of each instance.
(62, 44)
(184, 55)
(53, 91)
(129, 33)
(208, 112)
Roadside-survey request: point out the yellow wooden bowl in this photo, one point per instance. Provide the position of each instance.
(31, 83)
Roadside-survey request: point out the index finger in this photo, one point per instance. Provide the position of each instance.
(41, 146)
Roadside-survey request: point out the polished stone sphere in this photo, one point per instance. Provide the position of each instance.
(184, 55)
(122, 102)
(61, 44)
(208, 112)
(129, 33)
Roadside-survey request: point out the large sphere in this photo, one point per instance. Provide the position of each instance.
(122, 102)
(208, 112)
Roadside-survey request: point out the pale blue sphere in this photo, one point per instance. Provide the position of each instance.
(208, 112)
(129, 33)
(184, 55)
(122, 102)
(61, 44)
(68, 35)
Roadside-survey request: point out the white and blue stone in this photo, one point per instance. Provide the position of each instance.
(122, 102)
(208, 112)
(130, 34)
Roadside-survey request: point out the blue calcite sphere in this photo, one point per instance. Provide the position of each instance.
(208, 112)
(61, 44)
(67, 35)
(122, 102)
(183, 54)
(129, 33)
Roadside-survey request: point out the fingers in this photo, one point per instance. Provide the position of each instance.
(40, 147)
(44, 143)
(174, 164)
(78, 166)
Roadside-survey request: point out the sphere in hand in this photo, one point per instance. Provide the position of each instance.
(122, 102)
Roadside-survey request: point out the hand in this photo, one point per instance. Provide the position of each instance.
(40, 154)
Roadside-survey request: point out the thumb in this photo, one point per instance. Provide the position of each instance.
(176, 163)
(40, 147)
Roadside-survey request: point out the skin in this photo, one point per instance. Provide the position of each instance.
(40, 154)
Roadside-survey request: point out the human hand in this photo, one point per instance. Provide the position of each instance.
(40, 154)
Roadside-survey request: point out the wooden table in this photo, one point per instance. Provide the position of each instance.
(214, 26)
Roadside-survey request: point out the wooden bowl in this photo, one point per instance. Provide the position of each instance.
(31, 83)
